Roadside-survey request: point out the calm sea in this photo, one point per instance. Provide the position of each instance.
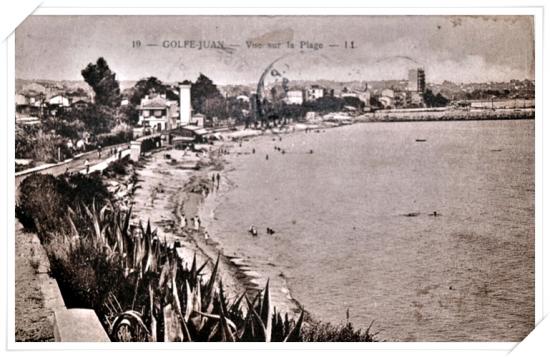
(355, 225)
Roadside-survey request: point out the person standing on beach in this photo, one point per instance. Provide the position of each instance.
(87, 164)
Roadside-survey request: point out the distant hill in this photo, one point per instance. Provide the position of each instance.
(514, 88)
(54, 86)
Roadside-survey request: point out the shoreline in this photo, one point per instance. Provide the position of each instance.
(165, 196)
(238, 273)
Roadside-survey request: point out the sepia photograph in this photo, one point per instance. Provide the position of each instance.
(281, 178)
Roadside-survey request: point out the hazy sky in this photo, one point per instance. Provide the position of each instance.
(460, 49)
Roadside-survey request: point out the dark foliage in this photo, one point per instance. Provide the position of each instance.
(117, 168)
(202, 90)
(145, 86)
(85, 277)
(44, 200)
(354, 102)
(42, 203)
(326, 104)
(86, 189)
(432, 100)
(120, 137)
(103, 81)
(327, 332)
(31, 143)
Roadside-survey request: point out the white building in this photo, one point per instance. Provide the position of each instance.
(387, 93)
(314, 93)
(198, 120)
(158, 113)
(243, 98)
(59, 100)
(294, 97)
(185, 103)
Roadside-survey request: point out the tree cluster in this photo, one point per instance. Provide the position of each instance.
(432, 100)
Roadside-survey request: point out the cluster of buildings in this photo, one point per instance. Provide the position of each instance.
(409, 97)
(158, 113)
(31, 106)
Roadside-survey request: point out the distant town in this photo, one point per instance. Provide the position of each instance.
(56, 119)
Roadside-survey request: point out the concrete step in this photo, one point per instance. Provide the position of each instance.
(78, 325)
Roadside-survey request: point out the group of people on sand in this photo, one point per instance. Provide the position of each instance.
(254, 232)
(195, 221)
(216, 178)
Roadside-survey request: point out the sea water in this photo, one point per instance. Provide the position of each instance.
(425, 228)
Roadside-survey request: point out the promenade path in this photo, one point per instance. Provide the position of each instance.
(76, 164)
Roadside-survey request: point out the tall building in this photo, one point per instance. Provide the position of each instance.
(417, 80)
(185, 102)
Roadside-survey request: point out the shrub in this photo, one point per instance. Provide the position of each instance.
(327, 332)
(117, 168)
(87, 189)
(44, 200)
(85, 276)
(42, 203)
(114, 139)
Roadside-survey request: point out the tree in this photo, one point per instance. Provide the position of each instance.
(143, 87)
(96, 119)
(375, 103)
(147, 86)
(215, 107)
(326, 104)
(432, 100)
(103, 81)
(354, 102)
(201, 90)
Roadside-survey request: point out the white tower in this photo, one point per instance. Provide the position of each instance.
(185, 103)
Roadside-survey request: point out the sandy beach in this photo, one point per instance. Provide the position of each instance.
(175, 186)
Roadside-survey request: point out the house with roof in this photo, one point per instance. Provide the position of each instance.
(314, 92)
(27, 107)
(59, 100)
(187, 136)
(158, 113)
(295, 96)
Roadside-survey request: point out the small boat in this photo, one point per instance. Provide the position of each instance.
(420, 140)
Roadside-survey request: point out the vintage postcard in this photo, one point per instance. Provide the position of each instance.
(281, 178)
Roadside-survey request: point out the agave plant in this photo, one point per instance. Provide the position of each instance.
(170, 302)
